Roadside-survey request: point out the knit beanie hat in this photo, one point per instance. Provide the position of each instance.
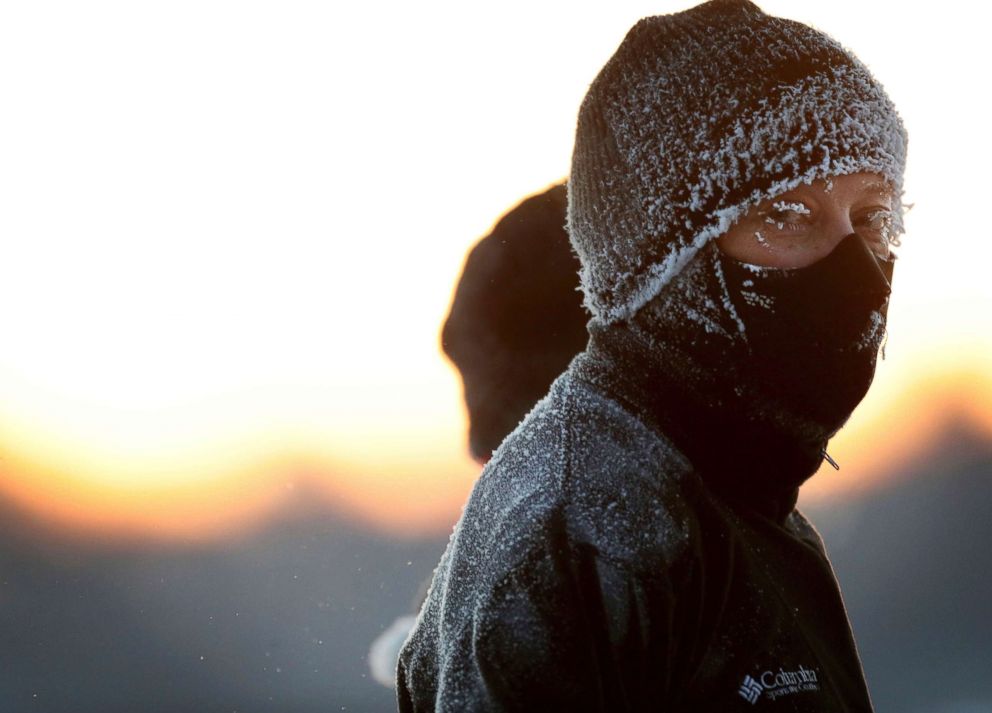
(698, 117)
(517, 318)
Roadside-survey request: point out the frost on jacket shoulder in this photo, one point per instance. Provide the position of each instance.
(562, 571)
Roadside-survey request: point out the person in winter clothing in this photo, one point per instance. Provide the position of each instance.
(516, 321)
(634, 543)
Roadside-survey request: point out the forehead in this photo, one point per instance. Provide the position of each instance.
(848, 188)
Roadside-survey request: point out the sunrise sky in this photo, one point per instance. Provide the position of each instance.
(231, 232)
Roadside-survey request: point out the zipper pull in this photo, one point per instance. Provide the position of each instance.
(831, 461)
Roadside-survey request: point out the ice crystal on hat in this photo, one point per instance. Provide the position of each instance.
(699, 116)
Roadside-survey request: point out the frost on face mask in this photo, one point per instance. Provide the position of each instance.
(813, 333)
(874, 334)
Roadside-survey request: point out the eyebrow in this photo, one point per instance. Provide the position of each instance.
(875, 187)
(880, 187)
(883, 192)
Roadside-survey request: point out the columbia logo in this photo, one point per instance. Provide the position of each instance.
(750, 690)
(772, 685)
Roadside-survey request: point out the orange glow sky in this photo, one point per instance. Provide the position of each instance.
(231, 231)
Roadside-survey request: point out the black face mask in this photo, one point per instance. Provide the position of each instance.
(813, 333)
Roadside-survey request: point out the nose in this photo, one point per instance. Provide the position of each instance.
(864, 271)
(840, 227)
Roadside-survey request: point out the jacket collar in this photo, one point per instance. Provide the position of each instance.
(747, 456)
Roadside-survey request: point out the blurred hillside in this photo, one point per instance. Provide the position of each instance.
(282, 619)
(279, 621)
(915, 564)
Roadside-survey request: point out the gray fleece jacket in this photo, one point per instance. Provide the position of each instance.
(634, 544)
(594, 569)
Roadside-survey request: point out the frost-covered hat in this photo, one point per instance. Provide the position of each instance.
(699, 116)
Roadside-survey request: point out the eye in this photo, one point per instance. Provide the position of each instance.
(876, 226)
(788, 215)
(879, 220)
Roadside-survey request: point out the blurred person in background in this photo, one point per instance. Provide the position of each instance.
(735, 188)
(516, 322)
(517, 318)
